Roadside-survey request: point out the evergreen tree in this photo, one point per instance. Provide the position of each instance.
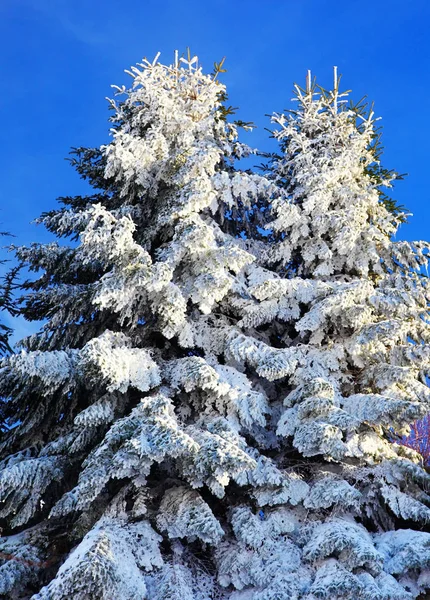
(7, 303)
(205, 416)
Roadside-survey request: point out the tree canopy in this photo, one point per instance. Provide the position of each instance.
(207, 411)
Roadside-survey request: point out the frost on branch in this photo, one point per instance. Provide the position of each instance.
(108, 358)
(129, 448)
(221, 455)
(262, 554)
(347, 540)
(268, 362)
(121, 366)
(21, 563)
(404, 550)
(404, 506)
(174, 583)
(224, 387)
(183, 513)
(328, 491)
(184, 578)
(52, 369)
(114, 555)
(99, 413)
(23, 484)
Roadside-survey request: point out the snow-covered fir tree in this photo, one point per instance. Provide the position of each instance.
(207, 415)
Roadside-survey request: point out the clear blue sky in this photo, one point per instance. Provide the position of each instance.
(59, 57)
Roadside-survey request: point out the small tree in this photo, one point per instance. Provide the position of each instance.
(7, 303)
(419, 439)
(207, 414)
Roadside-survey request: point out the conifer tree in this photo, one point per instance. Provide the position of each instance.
(7, 304)
(206, 415)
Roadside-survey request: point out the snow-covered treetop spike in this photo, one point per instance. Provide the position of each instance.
(308, 81)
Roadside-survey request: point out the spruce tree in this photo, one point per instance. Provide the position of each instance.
(207, 414)
(7, 302)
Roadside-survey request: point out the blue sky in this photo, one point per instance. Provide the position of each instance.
(59, 57)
